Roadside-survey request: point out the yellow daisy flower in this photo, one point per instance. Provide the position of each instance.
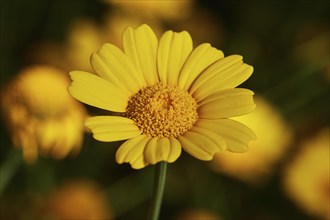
(306, 178)
(76, 199)
(170, 97)
(197, 214)
(41, 116)
(155, 10)
(256, 166)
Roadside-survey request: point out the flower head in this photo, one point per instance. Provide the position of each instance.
(77, 199)
(196, 214)
(40, 115)
(155, 10)
(306, 178)
(170, 97)
(256, 165)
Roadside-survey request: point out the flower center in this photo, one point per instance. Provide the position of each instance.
(162, 110)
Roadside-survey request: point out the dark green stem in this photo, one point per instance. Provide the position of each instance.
(158, 190)
(9, 168)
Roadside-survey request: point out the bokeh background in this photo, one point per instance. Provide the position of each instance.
(51, 168)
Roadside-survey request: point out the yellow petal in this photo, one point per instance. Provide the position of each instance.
(73, 136)
(200, 58)
(175, 150)
(27, 141)
(157, 149)
(74, 132)
(162, 149)
(173, 50)
(61, 149)
(140, 45)
(198, 145)
(131, 150)
(112, 64)
(97, 92)
(234, 78)
(236, 135)
(103, 70)
(62, 144)
(226, 103)
(47, 135)
(112, 128)
(139, 163)
(225, 73)
(212, 136)
(216, 68)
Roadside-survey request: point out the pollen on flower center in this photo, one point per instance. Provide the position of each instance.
(162, 110)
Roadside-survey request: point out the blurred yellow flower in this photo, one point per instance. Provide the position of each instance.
(169, 96)
(84, 38)
(116, 22)
(41, 115)
(156, 9)
(274, 138)
(197, 214)
(203, 25)
(77, 200)
(306, 178)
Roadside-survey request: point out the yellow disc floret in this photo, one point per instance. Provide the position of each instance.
(162, 110)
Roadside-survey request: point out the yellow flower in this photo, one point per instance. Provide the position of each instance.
(169, 96)
(156, 9)
(117, 21)
(306, 177)
(83, 38)
(41, 115)
(256, 165)
(77, 200)
(197, 214)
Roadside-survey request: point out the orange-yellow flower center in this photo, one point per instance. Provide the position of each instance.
(162, 110)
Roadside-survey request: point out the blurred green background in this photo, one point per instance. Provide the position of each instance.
(287, 42)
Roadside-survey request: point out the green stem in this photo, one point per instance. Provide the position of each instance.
(9, 168)
(158, 190)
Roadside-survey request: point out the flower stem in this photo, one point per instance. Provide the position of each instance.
(158, 190)
(9, 168)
